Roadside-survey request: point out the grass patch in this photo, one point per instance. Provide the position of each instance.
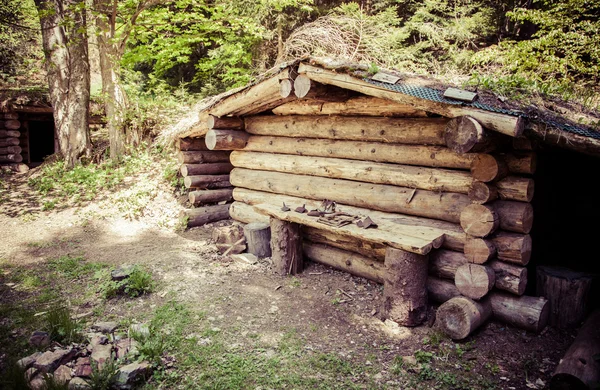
(61, 326)
(74, 266)
(139, 282)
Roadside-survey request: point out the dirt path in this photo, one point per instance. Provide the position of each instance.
(247, 299)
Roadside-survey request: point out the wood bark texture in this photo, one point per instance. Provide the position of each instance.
(420, 131)
(354, 106)
(479, 220)
(464, 134)
(225, 123)
(207, 214)
(194, 157)
(258, 239)
(206, 169)
(404, 287)
(286, 247)
(226, 139)
(568, 292)
(580, 367)
(207, 181)
(210, 196)
(190, 144)
(229, 239)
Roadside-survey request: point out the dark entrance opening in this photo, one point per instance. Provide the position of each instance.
(41, 140)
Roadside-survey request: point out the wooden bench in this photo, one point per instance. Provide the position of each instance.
(406, 257)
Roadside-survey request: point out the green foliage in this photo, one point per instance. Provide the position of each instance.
(139, 282)
(103, 378)
(61, 326)
(73, 266)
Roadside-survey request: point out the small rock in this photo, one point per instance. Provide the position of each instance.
(78, 383)
(105, 326)
(540, 383)
(126, 346)
(39, 339)
(38, 383)
(121, 273)
(128, 375)
(30, 373)
(83, 367)
(98, 339)
(274, 309)
(49, 361)
(101, 353)
(409, 360)
(62, 375)
(248, 258)
(28, 361)
(141, 329)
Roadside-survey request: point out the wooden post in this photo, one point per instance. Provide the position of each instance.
(286, 247)
(580, 367)
(568, 292)
(258, 239)
(404, 287)
(460, 316)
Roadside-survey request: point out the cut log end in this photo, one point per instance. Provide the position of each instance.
(482, 193)
(478, 250)
(487, 168)
(302, 86)
(474, 280)
(464, 134)
(479, 220)
(286, 86)
(226, 139)
(460, 316)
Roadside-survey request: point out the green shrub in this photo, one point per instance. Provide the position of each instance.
(61, 326)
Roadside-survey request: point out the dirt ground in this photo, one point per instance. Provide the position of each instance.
(331, 311)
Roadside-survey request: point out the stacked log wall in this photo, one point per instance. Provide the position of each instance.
(12, 150)
(401, 169)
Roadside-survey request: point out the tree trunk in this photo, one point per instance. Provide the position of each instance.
(64, 40)
(405, 287)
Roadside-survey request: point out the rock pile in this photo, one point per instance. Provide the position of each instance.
(74, 364)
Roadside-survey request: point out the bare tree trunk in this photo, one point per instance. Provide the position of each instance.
(115, 99)
(64, 40)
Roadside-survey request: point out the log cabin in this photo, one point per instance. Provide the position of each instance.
(448, 180)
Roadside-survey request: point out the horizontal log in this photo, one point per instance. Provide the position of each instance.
(443, 206)
(420, 131)
(206, 169)
(193, 157)
(512, 247)
(226, 139)
(9, 115)
(9, 142)
(18, 168)
(356, 106)
(464, 134)
(482, 193)
(210, 196)
(378, 173)
(10, 149)
(365, 248)
(479, 220)
(524, 312)
(343, 260)
(454, 235)
(12, 124)
(246, 213)
(509, 277)
(487, 168)
(257, 98)
(516, 188)
(429, 156)
(207, 181)
(203, 215)
(404, 242)
(505, 124)
(520, 162)
(9, 134)
(460, 316)
(445, 263)
(225, 123)
(11, 158)
(188, 144)
(514, 216)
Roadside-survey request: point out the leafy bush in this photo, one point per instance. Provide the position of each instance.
(139, 282)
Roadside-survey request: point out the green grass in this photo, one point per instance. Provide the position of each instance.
(61, 326)
(74, 266)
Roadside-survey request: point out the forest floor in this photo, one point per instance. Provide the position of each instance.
(227, 324)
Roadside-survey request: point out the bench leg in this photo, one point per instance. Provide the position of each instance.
(286, 247)
(405, 287)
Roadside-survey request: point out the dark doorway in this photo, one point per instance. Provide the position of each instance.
(41, 140)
